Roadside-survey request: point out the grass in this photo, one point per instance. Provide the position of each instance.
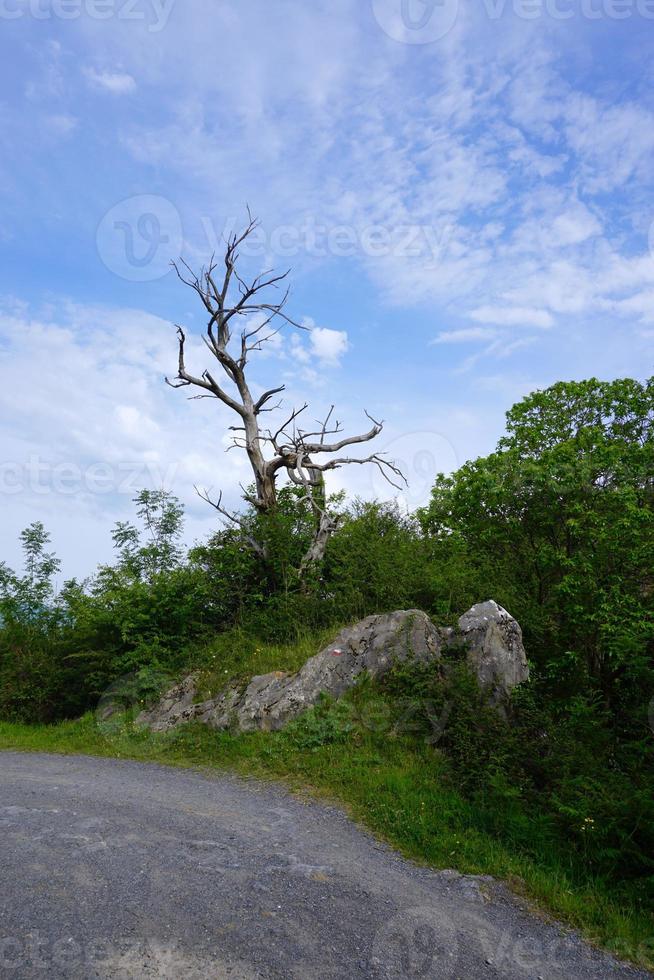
(398, 787)
(235, 656)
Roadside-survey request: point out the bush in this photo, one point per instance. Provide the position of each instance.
(552, 777)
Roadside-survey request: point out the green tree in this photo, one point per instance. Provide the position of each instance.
(143, 612)
(378, 561)
(155, 547)
(26, 600)
(30, 620)
(560, 521)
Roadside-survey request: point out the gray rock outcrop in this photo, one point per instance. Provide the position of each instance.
(372, 646)
(175, 707)
(491, 637)
(494, 649)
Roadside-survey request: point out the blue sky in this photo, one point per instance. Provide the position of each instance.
(463, 192)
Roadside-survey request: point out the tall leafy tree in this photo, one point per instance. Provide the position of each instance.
(29, 619)
(26, 599)
(561, 518)
(154, 547)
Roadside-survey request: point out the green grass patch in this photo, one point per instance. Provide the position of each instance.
(399, 787)
(235, 656)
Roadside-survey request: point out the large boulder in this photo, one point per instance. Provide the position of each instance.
(494, 649)
(372, 646)
(491, 638)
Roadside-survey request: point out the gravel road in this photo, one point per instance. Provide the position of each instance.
(115, 869)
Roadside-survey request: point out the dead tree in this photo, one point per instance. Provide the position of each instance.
(302, 455)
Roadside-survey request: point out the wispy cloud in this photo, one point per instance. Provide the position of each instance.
(465, 335)
(116, 82)
(516, 316)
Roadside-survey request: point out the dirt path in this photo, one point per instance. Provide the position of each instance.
(121, 869)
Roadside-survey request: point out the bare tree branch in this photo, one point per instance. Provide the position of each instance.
(234, 519)
(227, 296)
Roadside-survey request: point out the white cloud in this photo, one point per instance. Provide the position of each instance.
(329, 346)
(517, 316)
(640, 305)
(298, 351)
(116, 82)
(464, 336)
(136, 425)
(575, 226)
(99, 425)
(506, 156)
(323, 347)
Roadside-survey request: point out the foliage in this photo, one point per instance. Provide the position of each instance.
(29, 653)
(377, 561)
(561, 521)
(24, 599)
(556, 777)
(162, 517)
(59, 652)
